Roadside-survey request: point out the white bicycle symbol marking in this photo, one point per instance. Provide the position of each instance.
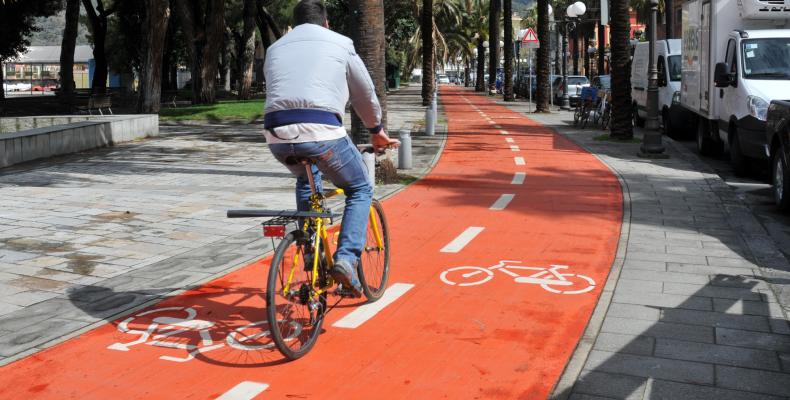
(166, 326)
(547, 278)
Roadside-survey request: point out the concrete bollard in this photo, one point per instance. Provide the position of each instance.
(404, 151)
(370, 164)
(430, 121)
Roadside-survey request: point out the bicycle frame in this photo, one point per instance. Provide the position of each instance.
(317, 201)
(534, 278)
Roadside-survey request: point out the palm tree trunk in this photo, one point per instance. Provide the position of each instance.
(155, 29)
(507, 86)
(248, 51)
(601, 49)
(67, 46)
(622, 127)
(426, 29)
(543, 59)
(480, 84)
(493, 42)
(370, 45)
(467, 69)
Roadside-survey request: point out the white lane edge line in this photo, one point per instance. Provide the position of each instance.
(367, 311)
(518, 178)
(519, 161)
(244, 391)
(462, 240)
(502, 202)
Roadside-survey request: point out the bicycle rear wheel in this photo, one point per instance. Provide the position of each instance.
(296, 315)
(374, 265)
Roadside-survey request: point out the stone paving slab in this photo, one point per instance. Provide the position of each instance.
(88, 237)
(700, 297)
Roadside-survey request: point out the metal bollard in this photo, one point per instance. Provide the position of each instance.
(370, 164)
(430, 121)
(404, 151)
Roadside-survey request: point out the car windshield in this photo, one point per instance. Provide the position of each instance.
(577, 80)
(675, 72)
(604, 82)
(766, 58)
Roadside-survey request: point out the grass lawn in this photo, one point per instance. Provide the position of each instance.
(247, 110)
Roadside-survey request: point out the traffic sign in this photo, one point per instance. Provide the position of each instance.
(530, 39)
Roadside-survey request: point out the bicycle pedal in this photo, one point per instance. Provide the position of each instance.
(345, 292)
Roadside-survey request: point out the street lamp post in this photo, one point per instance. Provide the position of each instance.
(651, 143)
(573, 11)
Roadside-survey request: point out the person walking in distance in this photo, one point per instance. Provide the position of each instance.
(311, 73)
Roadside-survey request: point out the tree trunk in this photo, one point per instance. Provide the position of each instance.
(67, 48)
(206, 28)
(601, 49)
(575, 36)
(248, 53)
(622, 127)
(467, 70)
(2, 91)
(493, 42)
(98, 22)
(480, 84)
(370, 44)
(543, 59)
(507, 86)
(155, 29)
(586, 45)
(266, 16)
(426, 29)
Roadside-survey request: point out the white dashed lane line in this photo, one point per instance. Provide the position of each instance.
(518, 178)
(462, 240)
(509, 140)
(244, 391)
(514, 147)
(502, 202)
(519, 161)
(365, 312)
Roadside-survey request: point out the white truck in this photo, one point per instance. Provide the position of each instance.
(736, 60)
(667, 59)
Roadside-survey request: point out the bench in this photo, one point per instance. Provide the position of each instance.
(93, 102)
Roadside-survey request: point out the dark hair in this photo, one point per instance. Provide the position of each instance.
(310, 12)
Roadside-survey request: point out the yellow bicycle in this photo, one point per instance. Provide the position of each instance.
(299, 279)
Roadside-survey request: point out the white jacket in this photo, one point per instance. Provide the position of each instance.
(312, 67)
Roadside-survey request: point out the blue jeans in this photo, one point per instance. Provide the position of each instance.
(342, 163)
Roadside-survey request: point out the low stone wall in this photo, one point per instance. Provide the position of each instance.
(79, 133)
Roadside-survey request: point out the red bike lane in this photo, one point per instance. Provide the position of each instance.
(504, 189)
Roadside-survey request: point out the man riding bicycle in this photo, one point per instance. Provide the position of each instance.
(310, 74)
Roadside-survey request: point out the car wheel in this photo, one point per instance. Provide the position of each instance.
(704, 143)
(740, 164)
(780, 177)
(638, 121)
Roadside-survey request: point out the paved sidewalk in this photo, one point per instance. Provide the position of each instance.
(696, 306)
(88, 237)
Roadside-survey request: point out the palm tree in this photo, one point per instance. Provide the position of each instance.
(493, 42)
(507, 87)
(370, 45)
(428, 66)
(543, 59)
(621, 85)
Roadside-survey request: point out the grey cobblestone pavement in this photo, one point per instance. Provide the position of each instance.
(697, 302)
(88, 237)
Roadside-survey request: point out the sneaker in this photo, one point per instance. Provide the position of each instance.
(346, 275)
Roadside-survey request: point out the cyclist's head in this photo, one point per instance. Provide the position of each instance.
(310, 12)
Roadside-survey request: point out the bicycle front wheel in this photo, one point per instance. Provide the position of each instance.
(374, 264)
(295, 312)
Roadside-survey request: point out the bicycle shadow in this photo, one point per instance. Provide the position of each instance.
(688, 351)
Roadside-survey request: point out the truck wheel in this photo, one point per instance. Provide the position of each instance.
(704, 142)
(780, 177)
(667, 124)
(639, 122)
(740, 164)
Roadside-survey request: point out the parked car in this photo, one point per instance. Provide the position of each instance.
(777, 130)
(575, 85)
(443, 79)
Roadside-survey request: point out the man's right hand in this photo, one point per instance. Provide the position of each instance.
(381, 141)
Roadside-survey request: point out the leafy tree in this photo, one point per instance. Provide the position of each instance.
(203, 23)
(156, 19)
(67, 47)
(17, 23)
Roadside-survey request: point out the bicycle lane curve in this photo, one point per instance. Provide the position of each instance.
(499, 339)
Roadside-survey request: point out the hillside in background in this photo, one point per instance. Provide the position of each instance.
(51, 33)
(521, 5)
